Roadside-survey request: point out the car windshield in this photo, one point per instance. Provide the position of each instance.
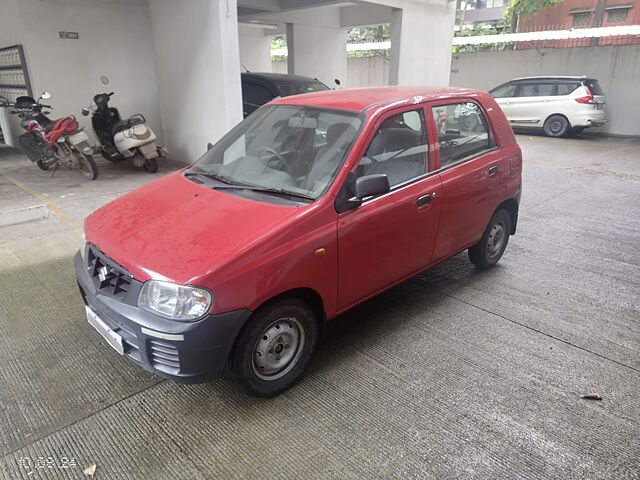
(296, 88)
(284, 149)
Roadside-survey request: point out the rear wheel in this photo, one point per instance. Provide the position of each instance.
(87, 166)
(151, 165)
(486, 253)
(42, 165)
(556, 126)
(275, 347)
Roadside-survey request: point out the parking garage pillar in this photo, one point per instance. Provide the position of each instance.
(198, 69)
(255, 49)
(317, 52)
(421, 39)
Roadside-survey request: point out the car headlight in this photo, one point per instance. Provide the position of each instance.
(178, 302)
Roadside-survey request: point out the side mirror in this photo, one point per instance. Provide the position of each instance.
(371, 185)
(336, 81)
(46, 95)
(85, 111)
(209, 146)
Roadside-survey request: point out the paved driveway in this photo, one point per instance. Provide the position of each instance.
(453, 374)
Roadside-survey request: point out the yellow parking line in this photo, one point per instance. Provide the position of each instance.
(47, 201)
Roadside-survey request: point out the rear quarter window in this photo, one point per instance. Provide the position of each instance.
(566, 88)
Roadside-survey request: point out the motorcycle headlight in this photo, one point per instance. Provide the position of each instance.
(177, 302)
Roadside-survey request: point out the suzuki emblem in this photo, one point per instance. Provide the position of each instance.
(102, 273)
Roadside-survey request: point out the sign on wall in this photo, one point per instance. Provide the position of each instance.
(69, 35)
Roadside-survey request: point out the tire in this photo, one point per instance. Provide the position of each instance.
(265, 362)
(151, 165)
(486, 253)
(556, 126)
(42, 165)
(88, 166)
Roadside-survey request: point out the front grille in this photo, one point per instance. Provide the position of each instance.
(164, 356)
(108, 277)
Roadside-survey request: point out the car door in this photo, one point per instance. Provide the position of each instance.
(532, 105)
(472, 173)
(390, 237)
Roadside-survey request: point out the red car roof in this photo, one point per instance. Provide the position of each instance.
(359, 99)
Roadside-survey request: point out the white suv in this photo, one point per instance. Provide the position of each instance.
(559, 105)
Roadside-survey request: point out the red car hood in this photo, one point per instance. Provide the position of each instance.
(174, 229)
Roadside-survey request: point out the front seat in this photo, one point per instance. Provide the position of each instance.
(328, 157)
(397, 153)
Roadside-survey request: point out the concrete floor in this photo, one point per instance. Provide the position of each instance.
(453, 374)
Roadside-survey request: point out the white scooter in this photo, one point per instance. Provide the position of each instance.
(123, 139)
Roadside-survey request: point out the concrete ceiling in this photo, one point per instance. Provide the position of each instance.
(329, 13)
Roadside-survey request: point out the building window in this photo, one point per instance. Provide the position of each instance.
(617, 15)
(581, 19)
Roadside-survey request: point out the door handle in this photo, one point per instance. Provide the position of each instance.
(424, 199)
(493, 170)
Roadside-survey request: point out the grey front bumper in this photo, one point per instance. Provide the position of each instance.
(189, 352)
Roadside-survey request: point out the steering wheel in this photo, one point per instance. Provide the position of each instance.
(270, 150)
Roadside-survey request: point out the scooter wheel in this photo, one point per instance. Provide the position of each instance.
(42, 165)
(151, 165)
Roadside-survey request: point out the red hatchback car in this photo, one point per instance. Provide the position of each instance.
(311, 205)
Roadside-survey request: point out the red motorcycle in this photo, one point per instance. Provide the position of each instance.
(51, 143)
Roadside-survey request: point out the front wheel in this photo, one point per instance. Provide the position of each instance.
(42, 165)
(486, 253)
(556, 126)
(87, 166)
(275, 347)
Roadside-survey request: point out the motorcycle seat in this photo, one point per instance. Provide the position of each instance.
(119, 126)
(49, 126)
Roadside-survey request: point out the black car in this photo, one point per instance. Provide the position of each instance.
(260, 88)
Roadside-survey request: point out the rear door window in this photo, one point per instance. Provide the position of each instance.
(463, 131)
(536, 90)
(504, 91)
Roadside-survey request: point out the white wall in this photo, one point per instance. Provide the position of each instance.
(361, 71)
(617, 69)
(255, 49)
(115, 41)
(198, 66)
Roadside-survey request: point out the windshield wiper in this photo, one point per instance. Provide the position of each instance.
(215, 176)
(275, 191)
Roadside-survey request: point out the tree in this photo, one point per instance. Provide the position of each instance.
(527, 9)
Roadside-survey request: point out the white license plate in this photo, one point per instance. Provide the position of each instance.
(109, 335)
